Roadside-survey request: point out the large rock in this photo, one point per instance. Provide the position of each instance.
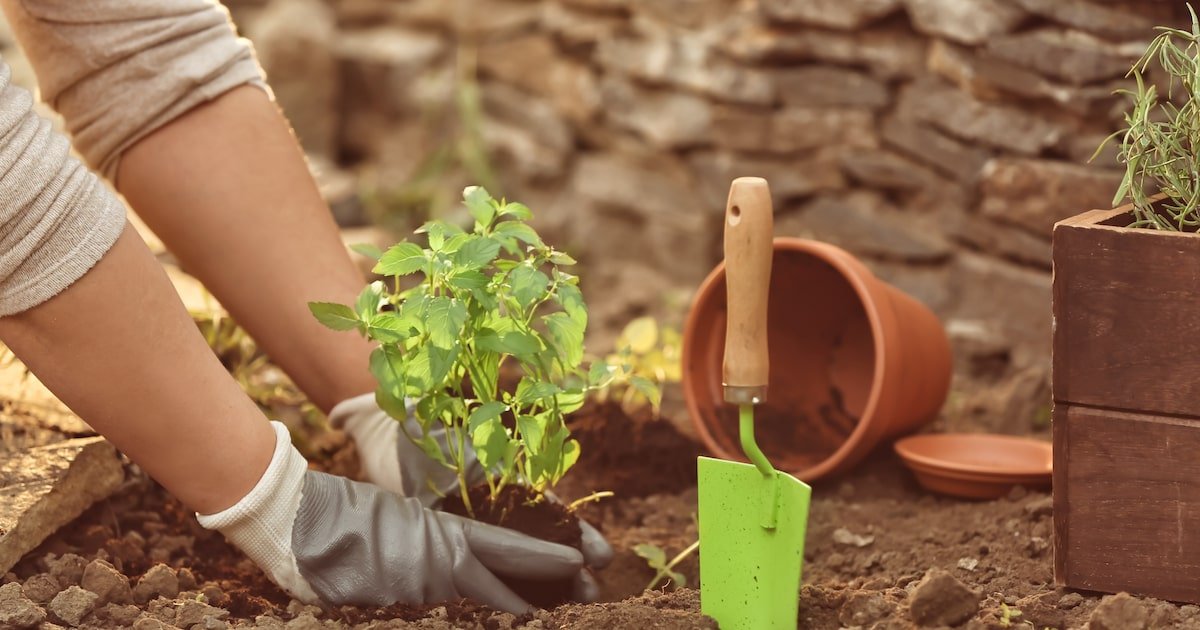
(880, 168)
(955, 112)
(668, 119)
(863, 223)
(923, 142)
(884, 52)
(570, 86)
(792, 129)
(829, 13)
(525, 132)
(1092, 17)
(44, 488)
(824, 86)
(687, 60)
(294, 41)
(1071, 56)
(988, 78)
(1035, 194)
(964, 21)
(790, 177)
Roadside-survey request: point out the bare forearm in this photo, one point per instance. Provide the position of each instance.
(227, 189)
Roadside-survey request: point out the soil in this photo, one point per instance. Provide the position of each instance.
(881, 553)
(518, 508)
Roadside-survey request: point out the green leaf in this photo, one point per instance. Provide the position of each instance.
(519, 344)
(370, 250)
(491, 442)
(561, 258)
(479, 203)
(486, 412)
(444, 319)
(477, 252)
(528, 285)
(654, 556)
(387, 366)
(571, 300)
(569, 455)
(600, 374)
(401, 260)
(369, 301)
(568, 337)
(441, 362)
(432, 448)
(335, 316)
(468, 280)
(640, 335)
(569, 401)
(519, 210)
(389, 327)
(530, 391)
(533, 432)
(519, 231)
(647, 388)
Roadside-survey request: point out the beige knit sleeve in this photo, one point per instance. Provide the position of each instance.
(119, 69)
(56, 217)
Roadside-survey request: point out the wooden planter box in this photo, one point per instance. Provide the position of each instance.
(1126, 407)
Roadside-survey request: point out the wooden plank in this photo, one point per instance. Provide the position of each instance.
(1127, 316)
(1128, 485)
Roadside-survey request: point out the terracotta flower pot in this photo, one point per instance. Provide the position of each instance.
(854, 362)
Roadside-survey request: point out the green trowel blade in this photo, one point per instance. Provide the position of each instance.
(749, 574)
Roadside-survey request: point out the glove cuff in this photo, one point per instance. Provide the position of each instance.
(351, 408)
(261, 523)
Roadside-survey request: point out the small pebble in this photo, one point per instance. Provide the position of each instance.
(1040, 508)
(309, 622)
(843, 536)
(968, 564)
(73, 605)
(150, 623)
(193, 612)
(187, 579)
(107, 582)
(1119, 612)
(160, 581)
(1017, 493)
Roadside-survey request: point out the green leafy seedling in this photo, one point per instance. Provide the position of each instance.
(656, 559)
(492, 296)
(646, 358)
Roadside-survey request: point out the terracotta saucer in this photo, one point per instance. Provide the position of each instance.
(976, 465)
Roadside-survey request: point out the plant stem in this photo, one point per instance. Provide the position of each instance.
(595, 496)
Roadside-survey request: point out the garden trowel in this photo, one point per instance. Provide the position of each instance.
(752, 517)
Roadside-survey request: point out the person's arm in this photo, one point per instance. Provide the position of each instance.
(85, 305)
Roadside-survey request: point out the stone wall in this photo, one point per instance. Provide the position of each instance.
(937, 139)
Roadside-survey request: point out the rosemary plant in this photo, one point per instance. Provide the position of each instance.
(1160, 145)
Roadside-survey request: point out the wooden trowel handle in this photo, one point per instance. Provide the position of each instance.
(748, 250)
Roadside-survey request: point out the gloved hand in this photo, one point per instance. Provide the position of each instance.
(391, 461)
(328, 539)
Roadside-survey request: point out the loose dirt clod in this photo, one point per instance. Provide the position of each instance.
(941, 600)
(67, 569)
(1119, 612)
(194, 612)
(107, 582)
(73, 605)
(160, 581)
(119, 615)
(864, 608)
(41, 588)
(18, 611)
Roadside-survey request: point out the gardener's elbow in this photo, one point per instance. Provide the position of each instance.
(117, 70)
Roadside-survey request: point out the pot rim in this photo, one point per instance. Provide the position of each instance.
(856, 275)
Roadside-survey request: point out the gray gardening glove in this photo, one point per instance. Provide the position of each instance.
(391, 461)
(326, 539)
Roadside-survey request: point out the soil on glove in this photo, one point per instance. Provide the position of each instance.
(519, 509)
(880, 553)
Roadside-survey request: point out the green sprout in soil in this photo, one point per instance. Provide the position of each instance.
(493, 296)
(647, 357)
(1160, 145)
(656, 558)
(1008, 615)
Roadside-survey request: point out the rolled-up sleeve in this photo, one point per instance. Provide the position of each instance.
(57, 218)
(116, 70)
